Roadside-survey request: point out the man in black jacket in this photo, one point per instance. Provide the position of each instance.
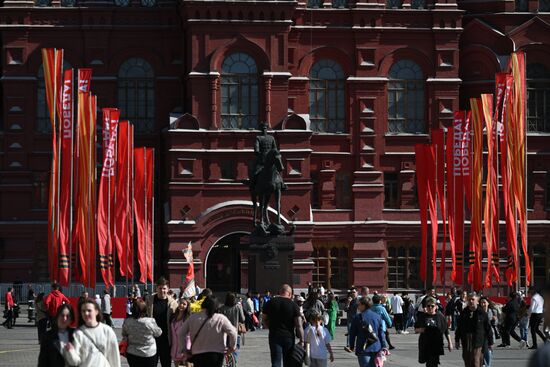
(473, 330)
(510, 311)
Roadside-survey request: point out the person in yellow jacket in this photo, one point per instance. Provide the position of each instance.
(196, 306)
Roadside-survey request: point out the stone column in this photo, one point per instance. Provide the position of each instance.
(214, 87)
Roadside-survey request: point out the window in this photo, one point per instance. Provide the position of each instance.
(330, 260)
(343, 190)
(544, 5)
(538, 98)
(339, 4)
(43, 124)
(418, 4)
(406, 98)
(393, 4)
(315, 203)
(228, 170)
(136, 94)
(326, 97)
(521, 5)
(403, 266)
(40, 191)
(314, 4)
(391, 190)
(530, 191)
(239, 87)
(540, 261)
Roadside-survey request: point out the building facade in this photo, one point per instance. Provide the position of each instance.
(347, 88)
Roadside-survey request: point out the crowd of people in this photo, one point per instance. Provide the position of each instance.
(199, 331)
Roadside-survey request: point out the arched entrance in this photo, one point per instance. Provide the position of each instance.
(223, 264)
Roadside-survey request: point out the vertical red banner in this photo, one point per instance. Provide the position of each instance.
(491, 193)
(52, 60)
(149, 164)
(106, 200)
(475, 272)
(438, 141)
(518, 152)
(123, 212)
(511, 271)
(66, 191)
(422, 191)
(140, 210)
(432, 205)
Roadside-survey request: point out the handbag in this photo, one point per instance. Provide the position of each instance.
(255, 320)
(371, 337)
(297, 356)
(241, 328)
(189, 357)
(122, 347)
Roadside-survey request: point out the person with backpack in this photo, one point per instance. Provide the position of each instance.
(378, 307)
(366, 335)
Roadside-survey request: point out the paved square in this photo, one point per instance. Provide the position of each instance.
(19, 347)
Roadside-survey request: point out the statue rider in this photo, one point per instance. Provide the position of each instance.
(263, 144)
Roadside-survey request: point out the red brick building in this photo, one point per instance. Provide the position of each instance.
(347, 87)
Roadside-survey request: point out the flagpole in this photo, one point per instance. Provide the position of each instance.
(527, 276)
(153, 217)
(59, 135)
(145, 214)
(132, 219)
(127, 198)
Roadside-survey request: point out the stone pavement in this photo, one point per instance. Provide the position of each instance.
(19, 348)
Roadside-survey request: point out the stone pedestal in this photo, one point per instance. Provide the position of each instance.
(270, 262)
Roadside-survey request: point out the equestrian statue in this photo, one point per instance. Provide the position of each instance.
(265, 180)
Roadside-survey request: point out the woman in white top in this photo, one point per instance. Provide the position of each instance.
(140, 331)
(95, 344)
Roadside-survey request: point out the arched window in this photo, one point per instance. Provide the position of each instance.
(326, 97)
(136, 94)
(239, 92)
(406, 98)
(43, 124)
(538, 98)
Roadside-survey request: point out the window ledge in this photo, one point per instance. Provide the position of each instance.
(406, 134)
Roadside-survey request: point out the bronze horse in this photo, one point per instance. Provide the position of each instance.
(267, 182)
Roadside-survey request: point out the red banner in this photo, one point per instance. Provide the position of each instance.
(462, 184)
(432, 205)
(518, 153)
(422, 191)
(140, 210)
(475, 272)
(66, 191)
(106, 200)
(149, 176)
(84, 80)
(52, 60)
(123, 202)
(438, 140)
(86, 202)
(507, 194)
(490, 210)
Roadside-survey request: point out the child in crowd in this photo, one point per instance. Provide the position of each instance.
(317, 337)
